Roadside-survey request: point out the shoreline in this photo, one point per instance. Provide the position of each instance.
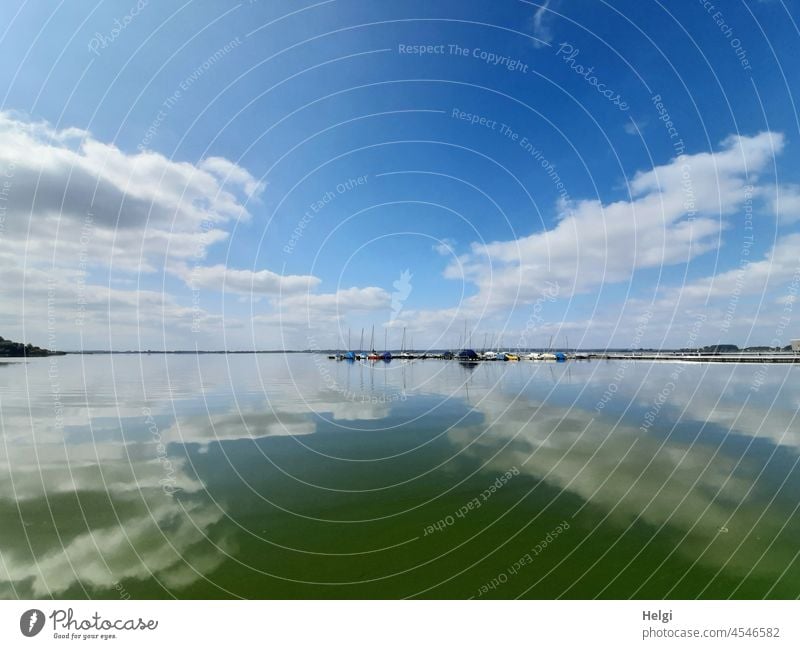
(585, 355)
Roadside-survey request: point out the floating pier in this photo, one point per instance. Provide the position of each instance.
(684, 357)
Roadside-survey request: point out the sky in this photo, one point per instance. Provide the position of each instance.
(286, 175)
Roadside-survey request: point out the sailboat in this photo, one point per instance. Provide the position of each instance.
(373, 355)
(549, 355)
(339, 356)
(467, 355)
(404, 354)
(334, 356)
(361, 355)
(487, 354)
(349, 355)
(387, 355)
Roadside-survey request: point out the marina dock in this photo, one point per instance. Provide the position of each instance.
(664, 356)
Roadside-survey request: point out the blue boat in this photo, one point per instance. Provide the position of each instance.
(468, 355)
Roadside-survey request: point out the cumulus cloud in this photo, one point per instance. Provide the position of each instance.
(369, 298)
(445, 247)
(53, 308)
(77, 210)
(752, 277)
(230, 172)
(137, 206)
(675, 213)
(316, 311)
(245, 282)
(750, 304)
(786, 203)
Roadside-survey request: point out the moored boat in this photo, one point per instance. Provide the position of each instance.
(468, 355)
(373, 355)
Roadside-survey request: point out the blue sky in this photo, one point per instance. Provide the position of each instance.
(520, 168)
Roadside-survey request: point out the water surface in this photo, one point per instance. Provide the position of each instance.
(278, 476)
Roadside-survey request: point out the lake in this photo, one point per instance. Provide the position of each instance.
(295, 476)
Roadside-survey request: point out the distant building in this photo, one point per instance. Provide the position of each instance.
(796, 345)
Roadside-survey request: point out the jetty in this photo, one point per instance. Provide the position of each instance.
(594, 355)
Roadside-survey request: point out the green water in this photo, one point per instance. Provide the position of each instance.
(298, 477)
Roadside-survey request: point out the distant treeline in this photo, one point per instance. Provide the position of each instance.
(728, 349)
(10, 349)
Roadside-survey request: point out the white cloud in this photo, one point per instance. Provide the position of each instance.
(786, 203)
(595, 243)
(368, 298)
(137, 206)
(446, 247)
(540, 25)
(75, 209)
(318, 310)
(751, 278)
(230, 172)
(634, 126)
(245, 282)
(54, 308)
